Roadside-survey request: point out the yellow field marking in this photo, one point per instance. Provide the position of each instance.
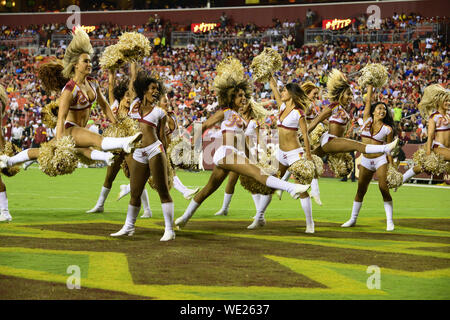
(321, 271)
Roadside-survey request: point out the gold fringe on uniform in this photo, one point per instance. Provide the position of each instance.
(432, 164)
(255, 187)
(265, 64)
(10, 150)
(134, 46)
(394, 177)
(49, 114)
(374, 74)
(303, 170)
(58, 157)
(112, 58)
(341, 164)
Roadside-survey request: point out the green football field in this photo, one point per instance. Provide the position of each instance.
(52, 244)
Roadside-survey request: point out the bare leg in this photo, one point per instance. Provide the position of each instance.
(242, 166)
(86, 138)
(217, 177)
(445, 152)
(338, 145)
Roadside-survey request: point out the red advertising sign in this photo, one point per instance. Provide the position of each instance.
(203, 27)
(336, 24)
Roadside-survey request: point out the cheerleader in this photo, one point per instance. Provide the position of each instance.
(434, 106)
(332, 141)
(171, 131)
(292, 103)
(151, 157)
(4, 211)
(251, 113)
(75, 102)
(377, 129)
(312, 92)
(120, 97)
(233, 94)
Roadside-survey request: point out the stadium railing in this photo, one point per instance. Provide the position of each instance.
(183, 38)
(317, 35)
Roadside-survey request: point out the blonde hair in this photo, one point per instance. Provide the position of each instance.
(337, 84)
(308, 86)
(3, 98)
(80, 44)
(433, 96)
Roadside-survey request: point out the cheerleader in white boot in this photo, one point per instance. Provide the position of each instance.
(171, 130)
(377, 128)
(312, 92)
(292, 102)
(332, 141)
(75, 102)
(434, 106)
(120, 97)
(4, 210)
(151, 158)
(232, 97)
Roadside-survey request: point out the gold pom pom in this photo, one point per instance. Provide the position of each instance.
(318, 164)
(229, 72)
(50, 114)
(394, 177)
(255, 187)
(374, 74)
(58, 157)
(265, 64)
(341, 164)
(181, 154)
(433, 163)
(10, 150)
(133, 46)
(112, 58)
(303, 171)
(319, 130)
(124, 127)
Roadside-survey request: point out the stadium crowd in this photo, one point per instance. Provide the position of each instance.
(189, 72)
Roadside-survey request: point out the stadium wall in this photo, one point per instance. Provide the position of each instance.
(260, 15)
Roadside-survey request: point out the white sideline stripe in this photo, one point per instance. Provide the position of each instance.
(419, 186)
